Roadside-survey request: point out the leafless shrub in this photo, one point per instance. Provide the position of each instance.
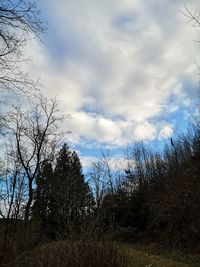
(81, 253)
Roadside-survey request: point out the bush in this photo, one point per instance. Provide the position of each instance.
(83, 253)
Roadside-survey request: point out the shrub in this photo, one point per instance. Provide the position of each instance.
(83, 253)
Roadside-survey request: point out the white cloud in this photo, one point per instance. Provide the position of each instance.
(166, 131)
(121, 64)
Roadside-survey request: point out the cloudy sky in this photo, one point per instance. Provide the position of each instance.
(124, 70)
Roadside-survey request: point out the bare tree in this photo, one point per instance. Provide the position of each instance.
(104, 176)
(192, 15)
(34, 136)
(108, 168)
(19, 20)
(12, 186)
(97, 182)
(13, 189)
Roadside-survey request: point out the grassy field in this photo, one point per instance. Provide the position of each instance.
(142, 257)
(95, 253)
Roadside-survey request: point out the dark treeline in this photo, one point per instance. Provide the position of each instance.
(148, 196)
(159, 196)
(155, 194)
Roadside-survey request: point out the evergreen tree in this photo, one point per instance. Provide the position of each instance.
(42, 196)
(63, 199)
(71, 198)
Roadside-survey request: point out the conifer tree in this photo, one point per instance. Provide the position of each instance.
(63, 199)
(42, 196)
(71, 199)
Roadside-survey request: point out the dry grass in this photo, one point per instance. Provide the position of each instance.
(141, 257)
(84, 253)
(88, 252)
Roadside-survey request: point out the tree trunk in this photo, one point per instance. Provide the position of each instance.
(30, 200)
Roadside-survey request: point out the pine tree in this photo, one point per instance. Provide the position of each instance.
(71, 198)
(42, 196)
(63, 199)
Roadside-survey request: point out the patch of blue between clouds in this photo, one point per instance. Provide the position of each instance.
(58, 47)
(121, 21)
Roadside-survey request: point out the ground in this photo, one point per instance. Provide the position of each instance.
(143, 257)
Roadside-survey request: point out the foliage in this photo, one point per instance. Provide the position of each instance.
(160, 194)
(62, 198)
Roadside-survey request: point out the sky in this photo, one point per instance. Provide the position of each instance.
(125, 71)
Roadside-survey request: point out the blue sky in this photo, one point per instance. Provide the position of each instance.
(124, 70)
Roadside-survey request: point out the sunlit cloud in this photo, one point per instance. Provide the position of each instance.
(118, 67)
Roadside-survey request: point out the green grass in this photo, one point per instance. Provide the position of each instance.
(142, 257)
